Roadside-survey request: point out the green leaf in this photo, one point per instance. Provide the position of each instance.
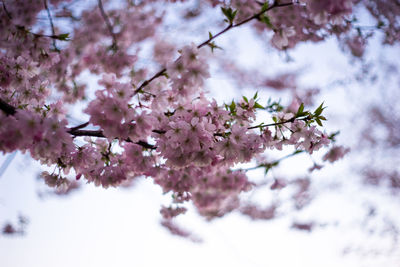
(232, 106)
(234, 14)
(62, 37)
(300, 110)
(257, 105)
(297, 152)
(210, 36)
(318, 121)
(213, 46)
(265, 19)
(265, 6)
(245, 99)
(229, 13)
(319, 110)
(255, 96)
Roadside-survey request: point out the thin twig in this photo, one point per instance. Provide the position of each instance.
(51, 24)
(83, 125)
(275, 162)
(5, 10)
(108, 23)
(100, 134)
(274, 124)
(146, 82)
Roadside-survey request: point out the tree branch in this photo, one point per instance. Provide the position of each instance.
(273, 163)
(277, 123)
(6, 11)
(51, 24)
(7, 108)
(83, 125)
(99, 133)
(206, 42)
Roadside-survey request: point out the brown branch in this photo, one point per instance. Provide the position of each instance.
(99, 133)
(146, 82)
(7, 108)
(83, 125)
(54, 37)
(206, 42)
(6, 11)
(108, 23)
(275, 123)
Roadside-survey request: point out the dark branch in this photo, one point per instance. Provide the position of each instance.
(51, 24)
(272, 164)
(145, 83)
(83, 125)
(5, 10)
(7, 108)
(100, 134)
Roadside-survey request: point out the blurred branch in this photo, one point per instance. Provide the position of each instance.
(108, 23)
(51, 24)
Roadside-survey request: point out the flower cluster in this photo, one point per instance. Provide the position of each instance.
(188, 72)
(45, 137)
(112, 111)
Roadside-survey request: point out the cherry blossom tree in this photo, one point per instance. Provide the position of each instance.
(158, 120)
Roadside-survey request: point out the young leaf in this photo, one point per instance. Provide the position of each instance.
(319, 110)
(213, 46)
(300, 110)
(265, 19)
(232, 106)
(257, 105)
(265, 7)
(229, 14)
(62, 37)
(255, 96)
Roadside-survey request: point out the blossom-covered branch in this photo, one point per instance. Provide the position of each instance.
(162, 72)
